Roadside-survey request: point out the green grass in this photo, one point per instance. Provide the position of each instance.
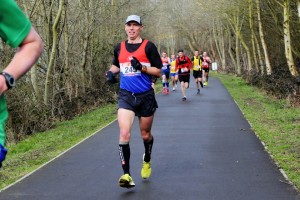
(274, 121)
(39, 148)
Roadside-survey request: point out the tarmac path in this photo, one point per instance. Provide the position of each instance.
(204, 149)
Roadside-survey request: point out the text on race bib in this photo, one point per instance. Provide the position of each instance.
(127, 70)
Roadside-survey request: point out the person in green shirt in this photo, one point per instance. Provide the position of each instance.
(16, 31)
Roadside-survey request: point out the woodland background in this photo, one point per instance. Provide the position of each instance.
(256, 39)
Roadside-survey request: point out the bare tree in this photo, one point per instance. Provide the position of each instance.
(262, 39)
(53, 53)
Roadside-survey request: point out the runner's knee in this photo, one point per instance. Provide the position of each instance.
(146, 135)
(124, 135)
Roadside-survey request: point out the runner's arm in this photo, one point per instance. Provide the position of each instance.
(114, 69)
(176, 65)
(155, 60)
(190, 63)
(208, 60)
(27, 54)
(154, 71)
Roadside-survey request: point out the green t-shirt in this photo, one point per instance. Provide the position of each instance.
(14, 25)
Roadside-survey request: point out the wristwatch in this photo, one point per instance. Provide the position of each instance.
(144, 68)
(10, 80)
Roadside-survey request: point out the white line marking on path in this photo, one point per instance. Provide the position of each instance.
(25, 176)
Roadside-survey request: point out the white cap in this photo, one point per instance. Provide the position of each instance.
(134, 18)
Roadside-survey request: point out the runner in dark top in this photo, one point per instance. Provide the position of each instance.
(183, 65)
(137, 60)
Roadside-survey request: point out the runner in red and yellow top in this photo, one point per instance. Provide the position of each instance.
(197, 70)
(165, 72)
(183, 65)
(205, 65)
(173, 72)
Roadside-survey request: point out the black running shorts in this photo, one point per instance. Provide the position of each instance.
(206, 69)
(142, 104)
(197, 74)
(184, 78)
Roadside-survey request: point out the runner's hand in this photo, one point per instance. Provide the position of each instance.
(135, 63)
(153, 79)
(110, 77)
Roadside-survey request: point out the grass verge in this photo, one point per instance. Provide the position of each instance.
(39, 148)
(274, 121)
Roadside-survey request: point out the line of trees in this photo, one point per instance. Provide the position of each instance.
(257, 39)
(244, 35)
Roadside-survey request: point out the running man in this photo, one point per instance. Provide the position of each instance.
(183, 65)
(165, 72)
(197, 70)
(137, 60)
(16, 31)
(173, 72)
(205, 65)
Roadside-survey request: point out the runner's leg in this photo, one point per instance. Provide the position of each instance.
(145, 128)
(125, 120)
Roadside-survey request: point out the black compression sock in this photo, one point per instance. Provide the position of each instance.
(148, 149)
(124, 152)
(201, 84)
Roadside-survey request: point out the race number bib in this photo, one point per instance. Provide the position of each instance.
(165, 66)
(184, 69)
(197, 67)
(127, 70)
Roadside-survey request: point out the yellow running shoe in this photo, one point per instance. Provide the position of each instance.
(126, 181)
(146, 169)
(205, 83)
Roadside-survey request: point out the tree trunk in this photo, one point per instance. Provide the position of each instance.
(262, 39)
(237, 56)
(230, 49)
(68, 77)
(246, 49)
(53, 54)
(299, 8)
(236, 29)
(260, 59)
(192, 48)
(223, 60)
(213, 52)
(287, 39)
(218, 36)
(250, 2)
(234, 22)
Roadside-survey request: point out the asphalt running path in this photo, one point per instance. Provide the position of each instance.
(203, 149)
